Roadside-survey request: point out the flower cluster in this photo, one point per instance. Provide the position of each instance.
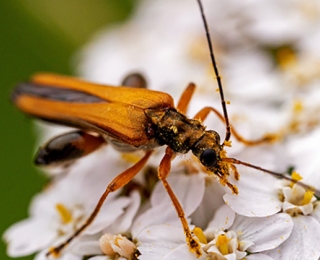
(269, 58)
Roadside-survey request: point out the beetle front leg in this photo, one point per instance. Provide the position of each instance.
(268, 138)
(163, 172)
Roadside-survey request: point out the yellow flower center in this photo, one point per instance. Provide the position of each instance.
(286, 57)
(223, 244)
(64, 213)
(307, 197)
(200, 235)
(296, 177)
(297, 106)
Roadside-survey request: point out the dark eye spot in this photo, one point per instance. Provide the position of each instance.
(208, 158)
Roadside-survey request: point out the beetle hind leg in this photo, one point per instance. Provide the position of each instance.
(117, 183)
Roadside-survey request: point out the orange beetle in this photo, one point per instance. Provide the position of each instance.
(129, 119)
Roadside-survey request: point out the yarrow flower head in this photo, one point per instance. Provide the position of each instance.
(61, 208)
(268, 56)
(227, 236)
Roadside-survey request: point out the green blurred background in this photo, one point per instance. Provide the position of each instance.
(37, 36)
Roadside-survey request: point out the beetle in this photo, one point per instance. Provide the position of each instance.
(130, 119)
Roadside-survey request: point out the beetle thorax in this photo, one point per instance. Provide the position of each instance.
(174, 129)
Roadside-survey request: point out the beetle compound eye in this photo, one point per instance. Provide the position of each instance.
(208, 158)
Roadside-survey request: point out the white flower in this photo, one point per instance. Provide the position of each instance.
(274, 22)
(64, 205)
(303, 154)
(295, 200)
(115, 241)
(117, 244)
(228, 236)
(303, 242)
(268, 57)
(188, 189)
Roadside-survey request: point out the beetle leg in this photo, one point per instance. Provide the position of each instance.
(268, 138)
(163, 172)
(185, 98)
(235, 172)
(117, 183)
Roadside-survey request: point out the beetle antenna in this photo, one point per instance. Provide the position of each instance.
(214, 65)
(275, 174)
(225, 113)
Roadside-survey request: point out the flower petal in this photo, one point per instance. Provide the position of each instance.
(257, 196)
(108, 214)
(208, 205)
(189, 190)
(223, 218)
(303, 242)
(90, 247)
(156, 216)
(28, 236)
(65, 256)
(316, 211)
(258, 231)
(124, 222)
(258, 257)
(157, 241)
(101, 257)
(182, 252)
